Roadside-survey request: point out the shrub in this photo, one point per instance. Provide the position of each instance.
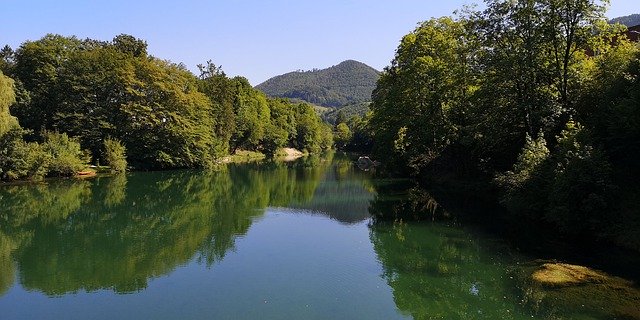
(21, 160)
(524, 188)
(65, 154)
(582, 193)
(115, 155)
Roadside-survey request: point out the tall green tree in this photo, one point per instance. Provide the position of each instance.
(220, 90)
(531, 61)
(282, 126)
(166, 121)
(420, 99)
(130, 45)
(7, 60)
(38, 64)
(7, 97)
(18, 159)
(94, 90)
(251, 113)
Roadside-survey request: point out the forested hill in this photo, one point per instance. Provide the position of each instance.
(349, 82)
(629, 21)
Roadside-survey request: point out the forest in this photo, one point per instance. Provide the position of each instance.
(66, 103)
(535, 103)
(348, 83)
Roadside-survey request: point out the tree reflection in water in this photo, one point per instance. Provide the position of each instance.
(118, 232)
(437, 269)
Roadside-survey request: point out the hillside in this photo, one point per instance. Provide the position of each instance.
(349, 82)
(359, 109)
(629, 21)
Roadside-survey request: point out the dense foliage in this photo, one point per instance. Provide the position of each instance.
(57, 155)
(349, 82)
(335, 116)
(115, 155)
(538, 99)
(90, 91)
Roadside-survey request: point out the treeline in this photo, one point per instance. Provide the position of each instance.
(629, 21)
(164, 116)
(536, 100)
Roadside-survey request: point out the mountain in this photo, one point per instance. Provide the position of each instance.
(629, 21)
(349, 82)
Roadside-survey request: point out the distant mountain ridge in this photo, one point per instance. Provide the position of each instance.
(629, 21)
(349, 82)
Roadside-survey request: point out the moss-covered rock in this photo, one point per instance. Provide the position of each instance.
(565, 291)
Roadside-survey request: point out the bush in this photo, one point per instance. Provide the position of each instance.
(21, 160)
(115, 155)
(524, 188)
(65, 154)
(342, 135)
(582, 194)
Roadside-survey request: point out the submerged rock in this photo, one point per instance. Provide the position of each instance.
(365, 163)
(562, 274)
(560, 290)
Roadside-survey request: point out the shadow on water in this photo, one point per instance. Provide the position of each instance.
(448, 255)
(117, 233)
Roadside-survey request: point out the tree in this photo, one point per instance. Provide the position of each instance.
(130, 45)
(531, 60)
(342, 135)
(569, 26)
(18, 159)
(94, 87)
(7, 60)
(525, 188)
(251, 113)
(37, 66)
(165, 121)
(419, 99)
(214, 83)
(281, 128)
(7, 97)
(582, 194)
(308, 129)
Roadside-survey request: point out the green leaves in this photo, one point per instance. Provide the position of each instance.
(115, 155)
(421, 91)
(92, 91)
(475, 97)
(64, 153)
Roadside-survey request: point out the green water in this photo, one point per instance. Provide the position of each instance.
(254, 241)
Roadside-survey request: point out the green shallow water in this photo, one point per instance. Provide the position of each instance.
(269, 241)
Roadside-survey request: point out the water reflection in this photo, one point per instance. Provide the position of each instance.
(441, 268)
(438, 271)
(343, 194)
(436, 268)
(119, 232)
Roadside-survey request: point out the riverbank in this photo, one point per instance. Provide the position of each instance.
(282, 154)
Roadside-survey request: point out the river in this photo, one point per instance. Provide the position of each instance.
(275, 240)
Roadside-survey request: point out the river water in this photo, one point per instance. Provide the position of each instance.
(254, 241)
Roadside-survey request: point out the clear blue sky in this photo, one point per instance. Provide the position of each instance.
(253, 38)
